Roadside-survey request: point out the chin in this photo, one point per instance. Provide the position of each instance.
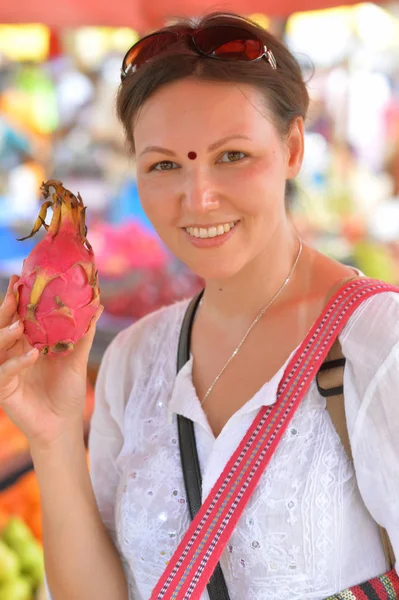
(215, 270)
(213, 263)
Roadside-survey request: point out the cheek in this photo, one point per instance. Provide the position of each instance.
(271, 167)
(257, 184)
(155, 198)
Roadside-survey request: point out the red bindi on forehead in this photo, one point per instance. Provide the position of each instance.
(192, 155)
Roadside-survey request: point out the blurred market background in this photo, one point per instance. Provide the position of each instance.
(59, 73)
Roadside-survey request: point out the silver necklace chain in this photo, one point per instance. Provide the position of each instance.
(257, 318)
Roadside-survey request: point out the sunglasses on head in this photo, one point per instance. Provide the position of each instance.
(223, 42)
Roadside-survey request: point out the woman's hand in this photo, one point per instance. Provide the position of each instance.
(44, 396)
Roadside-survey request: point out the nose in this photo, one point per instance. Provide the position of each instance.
(200, 195)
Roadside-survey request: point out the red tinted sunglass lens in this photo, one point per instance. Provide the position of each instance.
(247, 49)
(228, 43)
(148, 48)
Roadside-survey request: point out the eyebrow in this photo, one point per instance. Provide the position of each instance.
(211, 148)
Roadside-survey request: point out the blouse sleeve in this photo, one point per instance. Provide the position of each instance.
(372, 406)
(106, 438)
(128, 359)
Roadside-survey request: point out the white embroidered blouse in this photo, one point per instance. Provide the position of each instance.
(306, 532)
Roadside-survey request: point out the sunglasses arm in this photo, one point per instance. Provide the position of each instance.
(270, 57)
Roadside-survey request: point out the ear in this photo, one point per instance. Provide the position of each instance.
(295, 144)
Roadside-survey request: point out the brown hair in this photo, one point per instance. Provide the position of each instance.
(284, 90)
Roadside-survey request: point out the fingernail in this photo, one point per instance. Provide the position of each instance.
(14, 325)
(33, 351)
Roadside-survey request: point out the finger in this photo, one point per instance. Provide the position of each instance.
(10, 369)
(88, 338)
(11, 283)
(9, 335)
(99, 312)
(9, 307)
(83, 346)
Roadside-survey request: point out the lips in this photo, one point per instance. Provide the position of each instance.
(210, 231)
(213, 240)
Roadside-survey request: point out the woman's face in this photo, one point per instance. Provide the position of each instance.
(235, 185)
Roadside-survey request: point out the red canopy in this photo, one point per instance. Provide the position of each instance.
(142, 15)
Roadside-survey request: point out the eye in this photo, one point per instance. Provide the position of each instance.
(164, 165)
(232, 156)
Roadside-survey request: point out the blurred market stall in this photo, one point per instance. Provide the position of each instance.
(57, 120)
(57, 88)
(58, 79)
(141, 15)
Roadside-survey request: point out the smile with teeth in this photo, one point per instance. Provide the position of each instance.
(209, 232)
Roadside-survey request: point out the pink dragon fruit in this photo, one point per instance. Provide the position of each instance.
(58, 293)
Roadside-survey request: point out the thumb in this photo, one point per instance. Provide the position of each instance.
(83, 346)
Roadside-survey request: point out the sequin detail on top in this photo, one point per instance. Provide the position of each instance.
(385, 587)
(194, 560)
(141, 371)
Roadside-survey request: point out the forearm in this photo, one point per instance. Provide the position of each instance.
(80, 558)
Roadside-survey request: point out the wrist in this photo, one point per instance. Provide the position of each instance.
(69, 439)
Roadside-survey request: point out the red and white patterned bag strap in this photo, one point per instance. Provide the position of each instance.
(194, 560)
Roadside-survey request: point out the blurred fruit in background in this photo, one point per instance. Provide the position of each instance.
(14, 443)
(22, 500)
(137, 273)
(375, 260)
(21, 561)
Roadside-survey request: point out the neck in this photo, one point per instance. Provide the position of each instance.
(239, 299)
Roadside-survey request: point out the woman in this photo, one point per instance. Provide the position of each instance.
(215, 143)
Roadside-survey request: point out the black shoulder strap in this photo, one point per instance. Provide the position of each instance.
(217, 588)
(330, 383)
